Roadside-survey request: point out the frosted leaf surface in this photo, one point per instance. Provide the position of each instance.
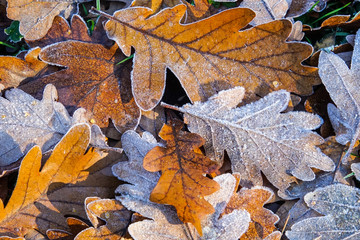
(355, 167)
(26, 121)
(266, 10)
(341, 206)
(167, 226)
(259, 138)
(343, 85)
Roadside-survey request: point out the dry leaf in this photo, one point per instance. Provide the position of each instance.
(209, 55)
(297, 33)
(25, 122)
(164, 225)
(92, 80)
(117, 219)
(61, 31)
(340, 205)
(266, 10)
(33, 204)
(259, 138)
(342, 84)
(13, 70)
(263, 220)
(36, 16)
(182, 183)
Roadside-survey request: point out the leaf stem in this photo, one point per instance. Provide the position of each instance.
(172, 107)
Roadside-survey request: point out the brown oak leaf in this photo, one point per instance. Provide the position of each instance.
(36, 16)
(35, 200)
(182, 183)
(263, 220)
(93, 79)
(13, 70)
(209, 55)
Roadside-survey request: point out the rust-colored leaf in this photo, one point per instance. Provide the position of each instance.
(93, 80)
(36, 16)
(61, 31)
(13, 70)
(263, 220)
(209, 55)
(182, 183)
(42, 198)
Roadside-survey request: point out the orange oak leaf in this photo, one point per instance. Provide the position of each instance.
(36, 16)
(13, 70)
(61, 31)
(182, 183)
(263, 221)
(41, 198)
(209, 55)
(93, 79)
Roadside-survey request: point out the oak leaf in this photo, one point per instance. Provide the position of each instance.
(36, 16)
(166, 224)
(262, 225)
(340, 205)
(92, 80)
(209, 55)
(182, 183)
(228, 227)
(13, 70)
(26, 121)
(33, 204)
(259, 138)
(342, 84)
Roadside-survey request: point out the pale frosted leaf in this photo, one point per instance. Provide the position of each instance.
(355, 167)
(343, 84)
(259, 138)
(340, 205)
(296, 32)
(230, 226)
(141, 182)
(266, 10)
(26, 121)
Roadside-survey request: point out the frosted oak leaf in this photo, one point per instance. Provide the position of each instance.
(259, 138)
